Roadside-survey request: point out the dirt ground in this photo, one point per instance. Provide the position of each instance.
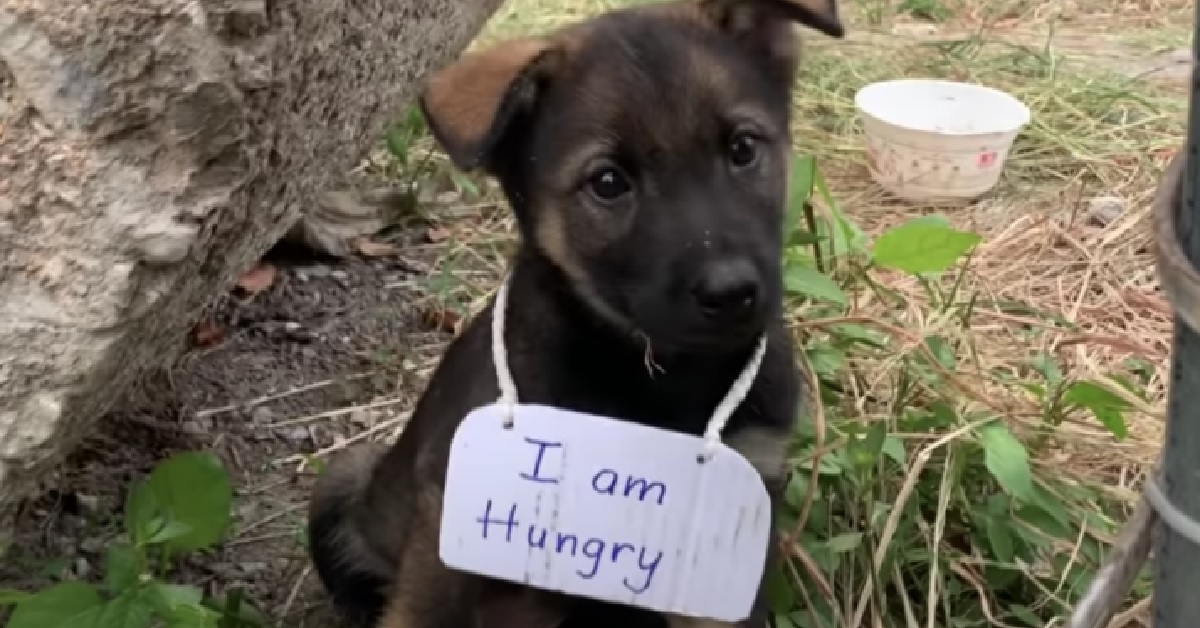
(352, 326)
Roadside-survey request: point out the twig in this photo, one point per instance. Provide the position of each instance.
(1133, 613)
(233, 407)
(893, 520)
(291, 598)
(329, 414)
(268, 519)
(973, 580)
(400, 420)
(1112, 582)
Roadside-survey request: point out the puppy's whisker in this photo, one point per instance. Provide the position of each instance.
(648, 356)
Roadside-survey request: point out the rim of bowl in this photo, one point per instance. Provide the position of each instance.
(1016, 103)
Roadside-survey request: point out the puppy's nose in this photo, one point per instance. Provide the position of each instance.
(727, 289)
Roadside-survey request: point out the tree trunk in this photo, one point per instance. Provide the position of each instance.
(152, 149)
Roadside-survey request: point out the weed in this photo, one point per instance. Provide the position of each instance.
(182, 507)
(415, 162)
(932, 10)
(914, 498)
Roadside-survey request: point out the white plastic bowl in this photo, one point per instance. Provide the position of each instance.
(930, 140)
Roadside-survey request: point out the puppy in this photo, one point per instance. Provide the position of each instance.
(645, 155)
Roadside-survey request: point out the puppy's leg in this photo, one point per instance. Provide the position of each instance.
(427, 594)
(766, 450)
(355, 576)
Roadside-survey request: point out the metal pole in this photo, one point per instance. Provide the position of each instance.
(1177, 560)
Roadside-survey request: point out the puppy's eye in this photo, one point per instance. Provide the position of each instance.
(608, 184)
(743, 150)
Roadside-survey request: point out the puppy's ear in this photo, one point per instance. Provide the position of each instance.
(469, 104)
(744, 16)
(767, 26)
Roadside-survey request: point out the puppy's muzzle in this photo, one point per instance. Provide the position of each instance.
(728, 291)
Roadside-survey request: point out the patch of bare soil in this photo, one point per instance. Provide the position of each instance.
(276, 376)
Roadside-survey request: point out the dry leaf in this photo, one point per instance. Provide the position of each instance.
(437, 234)
(371, 248)
(442, 319)
(257, 279)
(207, 334)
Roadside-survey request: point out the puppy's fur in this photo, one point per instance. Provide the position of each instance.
(645, 154)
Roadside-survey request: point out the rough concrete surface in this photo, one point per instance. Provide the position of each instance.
(152, 149)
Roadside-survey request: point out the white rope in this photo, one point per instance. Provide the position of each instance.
(508, 387)
(712, 431)
(737, 392)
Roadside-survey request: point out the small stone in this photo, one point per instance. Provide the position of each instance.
(1105, 210)
(262, 414)
(914, 29)
(295, 434)
(360, 418)
(92, 545)
(82, 568)
(251, 568)
(88, 503)
(225, 571)
(291, 326)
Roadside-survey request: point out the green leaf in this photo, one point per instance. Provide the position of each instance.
(800, 187)
(464, 183)
(843, 543)
(780, 595)
(194, 616)
(122, 566)
(1040, 519)
(1045, 365)
(65, 605)
(826, 360)
(1107, 407)
(8, 597)
(804, 237)
(942, 351)
(1051, 505)
(55, 568)
(1007, 460)
(128, 610)
(140, 508)
(894, 448)
(182, 605)
(171, 596)
(865, 445)
(189, 489)
(847, 237)
(797, 490)
(783, 621)
(812, 283)
(1000, 539)
(922, 246)
(860, 334)
(236, 611)
(169, 531)
(1026, 615)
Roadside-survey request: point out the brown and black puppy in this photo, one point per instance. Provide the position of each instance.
(645, 154)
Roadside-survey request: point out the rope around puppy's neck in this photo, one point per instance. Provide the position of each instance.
(716, 423)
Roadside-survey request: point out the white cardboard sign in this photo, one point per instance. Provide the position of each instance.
(605, 509)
